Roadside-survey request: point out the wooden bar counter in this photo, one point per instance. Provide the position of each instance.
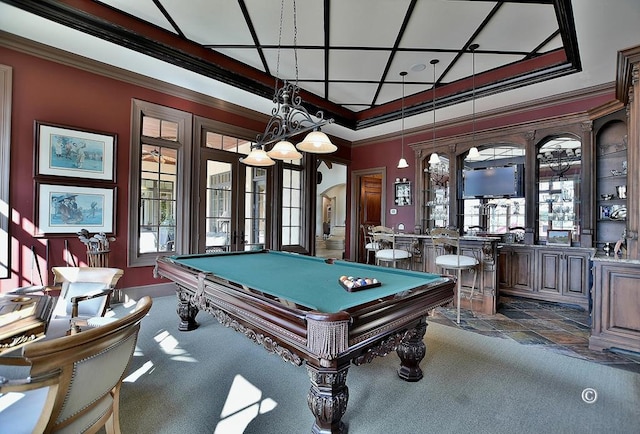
(484, 248)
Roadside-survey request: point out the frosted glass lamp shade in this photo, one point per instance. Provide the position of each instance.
(284, 150)
(402, 164)
(317, 142)
(473, 153)
(257, 157)
(434, 159)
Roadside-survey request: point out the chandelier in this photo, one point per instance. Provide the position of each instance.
(559, 159)
(288, 119)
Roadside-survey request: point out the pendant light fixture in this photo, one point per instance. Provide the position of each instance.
(434, 159)
(402, 164)
(289, 118)
(473, 152)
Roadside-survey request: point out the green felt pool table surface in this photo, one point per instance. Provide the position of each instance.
(306, 280)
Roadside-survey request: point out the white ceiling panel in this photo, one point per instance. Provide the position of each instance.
(380, 29)
(207, 22)
(512, 19)
(358, 39)
(357, 65)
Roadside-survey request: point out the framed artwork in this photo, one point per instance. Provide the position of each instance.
(403, 193)
(74, 153)
(66, 209)
(559, 237)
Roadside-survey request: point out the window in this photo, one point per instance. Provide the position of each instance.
(255, 216)
(292, 211)
(160, 158)
(158, 199)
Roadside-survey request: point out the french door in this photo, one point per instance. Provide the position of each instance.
(232, 203)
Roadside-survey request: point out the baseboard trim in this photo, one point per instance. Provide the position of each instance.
(137, 292)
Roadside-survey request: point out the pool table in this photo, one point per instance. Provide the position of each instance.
(296, 306)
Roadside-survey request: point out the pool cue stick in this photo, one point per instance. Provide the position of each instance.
(69, 255)
(35, 258)
(46, 258)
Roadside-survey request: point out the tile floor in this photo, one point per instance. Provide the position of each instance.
(560, 328)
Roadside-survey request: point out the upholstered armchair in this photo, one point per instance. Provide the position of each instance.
(84, 297)
(73, 382)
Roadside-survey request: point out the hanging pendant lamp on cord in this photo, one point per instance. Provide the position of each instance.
(473, 152)
(402, 164)
(289, 119)
(434, 159)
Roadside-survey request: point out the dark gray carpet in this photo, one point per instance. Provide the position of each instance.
(472, 384)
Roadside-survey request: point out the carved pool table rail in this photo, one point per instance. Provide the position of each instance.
(327, 342)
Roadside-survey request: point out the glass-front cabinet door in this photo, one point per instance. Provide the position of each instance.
(436, 195)
(559, 175)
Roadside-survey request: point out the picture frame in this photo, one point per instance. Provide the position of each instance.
(66, 209)
(403, 193)
(559, 237)
(70, 152)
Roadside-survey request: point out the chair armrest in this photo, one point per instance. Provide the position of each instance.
(88, 296)
(29, 383)
(14, 361)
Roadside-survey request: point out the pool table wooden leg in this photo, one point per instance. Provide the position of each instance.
(327, 398)
(187, 313)
(411, 352)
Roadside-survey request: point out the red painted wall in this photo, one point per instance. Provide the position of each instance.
(52, 93)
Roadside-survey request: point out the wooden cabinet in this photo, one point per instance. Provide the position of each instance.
(515, 268)
(485, 249)
(616, 305)
(565, 273)
(436, 207)
(616, 282)
(545, 273)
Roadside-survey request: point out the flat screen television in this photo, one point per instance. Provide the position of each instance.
(493, 182)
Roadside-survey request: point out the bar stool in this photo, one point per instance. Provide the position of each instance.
(370, 246)
(389, 253)
(449, 240)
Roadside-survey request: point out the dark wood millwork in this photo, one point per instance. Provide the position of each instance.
(530, 269)
(546, 272)
(616, 278)
(528, 136)
(616, 305)
(629, 68)
(515, 268)
(484, 297)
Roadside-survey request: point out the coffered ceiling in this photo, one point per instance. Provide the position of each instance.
(347, 55)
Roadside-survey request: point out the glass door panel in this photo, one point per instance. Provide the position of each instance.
(219, 207)
(234, 212)
(255, 210)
